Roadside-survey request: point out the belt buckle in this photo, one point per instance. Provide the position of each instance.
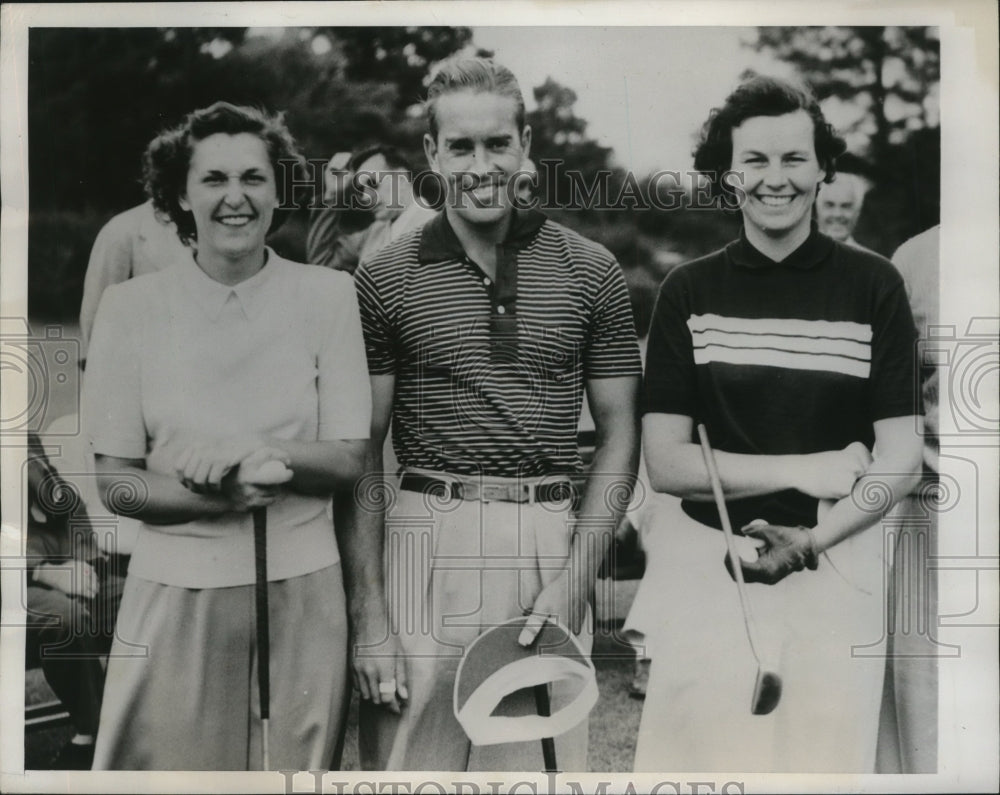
(499, 492)
(492, 492)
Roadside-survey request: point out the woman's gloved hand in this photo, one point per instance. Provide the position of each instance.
(785, 550)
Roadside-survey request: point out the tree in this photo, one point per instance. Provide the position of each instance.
(396, 56)
(558, 135)
(97, 96)
(90, 115)
(888, 73)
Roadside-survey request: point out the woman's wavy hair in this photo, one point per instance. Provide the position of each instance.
(760, 96)
(168, 158)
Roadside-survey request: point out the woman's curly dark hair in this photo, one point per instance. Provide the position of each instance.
(759, 96)
(168, 157)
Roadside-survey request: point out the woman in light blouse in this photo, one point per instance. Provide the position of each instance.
(199, 375)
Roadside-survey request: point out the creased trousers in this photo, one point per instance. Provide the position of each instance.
(908, 736)
(455, 568)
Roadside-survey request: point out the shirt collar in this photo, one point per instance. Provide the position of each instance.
(816, 248)
(438, 241)
(212, 296)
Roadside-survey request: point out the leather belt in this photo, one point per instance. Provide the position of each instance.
(475, 490)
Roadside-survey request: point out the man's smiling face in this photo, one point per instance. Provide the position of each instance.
(838, 207)
(477, 150)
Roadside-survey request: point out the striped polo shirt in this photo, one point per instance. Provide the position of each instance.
(490, 374)
(795, 357)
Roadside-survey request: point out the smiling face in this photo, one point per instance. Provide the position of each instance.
(231, 193)
(838, 207)
(477, 150)
(777, 156)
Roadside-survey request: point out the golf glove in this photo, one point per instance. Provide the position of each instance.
(785, 550)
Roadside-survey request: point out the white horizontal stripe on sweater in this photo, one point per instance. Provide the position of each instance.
(793, 360)
(785, 327)
(858, 351)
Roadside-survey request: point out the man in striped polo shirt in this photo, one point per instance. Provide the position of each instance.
(484, 330)
(797, 353)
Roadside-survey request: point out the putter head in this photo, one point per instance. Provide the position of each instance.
(766, 693)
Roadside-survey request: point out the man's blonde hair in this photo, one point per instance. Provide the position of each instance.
(478, 75)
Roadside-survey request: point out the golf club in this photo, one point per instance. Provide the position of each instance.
(548, 744)
(263, 627)
(767, 686)
(272, 472)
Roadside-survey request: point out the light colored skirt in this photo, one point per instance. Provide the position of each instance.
(454, 569)
(181, 691)
(820, 631)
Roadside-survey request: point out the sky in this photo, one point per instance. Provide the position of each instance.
(645, 91)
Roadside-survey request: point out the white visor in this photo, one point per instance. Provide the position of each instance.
(496, 666)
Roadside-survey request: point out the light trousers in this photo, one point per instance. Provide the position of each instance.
(908, 728)
(454, 569)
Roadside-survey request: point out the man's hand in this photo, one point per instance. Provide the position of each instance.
(75, 578)
(379, 667)
(785, 550)
(556, 601)
(832, 475)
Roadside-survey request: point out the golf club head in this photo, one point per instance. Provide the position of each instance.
(766, 693)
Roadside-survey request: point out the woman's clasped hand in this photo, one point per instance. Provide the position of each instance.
(246, 470)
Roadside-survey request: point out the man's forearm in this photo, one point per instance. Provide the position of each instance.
(607, 492)
(359, 519)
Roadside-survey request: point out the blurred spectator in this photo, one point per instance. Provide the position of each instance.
(370, 203)
(130, 244)
(908, 725)
(72, 597)
(838, 207)
(329, 223)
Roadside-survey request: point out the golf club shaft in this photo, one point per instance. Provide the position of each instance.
(727, 531)
(548, 744)
(263, 626)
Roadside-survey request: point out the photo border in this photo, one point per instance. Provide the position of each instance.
(968, 695)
